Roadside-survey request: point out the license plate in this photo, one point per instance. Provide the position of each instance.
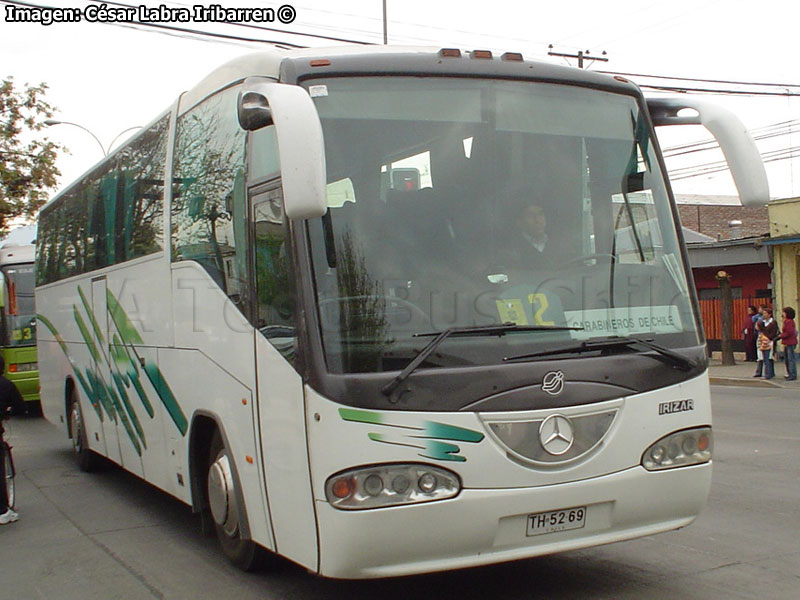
(562, 519)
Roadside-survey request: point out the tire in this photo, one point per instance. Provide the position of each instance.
(9, 482)
(222, 497)
(86, 460)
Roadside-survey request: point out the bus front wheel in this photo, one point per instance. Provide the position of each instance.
(223, 500)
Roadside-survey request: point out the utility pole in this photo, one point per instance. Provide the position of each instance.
(726, 318)
(581, 56)
(385, 25)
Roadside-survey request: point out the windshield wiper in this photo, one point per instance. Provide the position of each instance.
(441, 336)
(679, 360)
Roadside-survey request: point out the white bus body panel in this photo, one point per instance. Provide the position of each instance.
(214, 354)
(487, 521)
(482, 526)
(282, 416)
(70, 319)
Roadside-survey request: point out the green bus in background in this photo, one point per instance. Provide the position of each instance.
(18, 321)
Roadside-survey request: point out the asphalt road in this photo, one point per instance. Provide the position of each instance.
(110, 535)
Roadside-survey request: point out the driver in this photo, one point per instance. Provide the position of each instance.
(530, 246)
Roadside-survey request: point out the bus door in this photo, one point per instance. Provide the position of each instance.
(281, 406)
(102, 384)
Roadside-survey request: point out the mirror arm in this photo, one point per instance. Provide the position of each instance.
(735, 141)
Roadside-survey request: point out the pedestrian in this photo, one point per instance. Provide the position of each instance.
(768, 332)
(788, 338)
(749, 334)
(10, 398)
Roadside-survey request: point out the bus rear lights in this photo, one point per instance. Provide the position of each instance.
(390, 485)
(679, 449)
(22, 367)
(320, 62)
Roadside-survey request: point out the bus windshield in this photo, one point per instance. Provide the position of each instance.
(469, 202)
(20, 312)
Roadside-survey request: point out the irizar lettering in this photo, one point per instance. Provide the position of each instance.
(676, 406)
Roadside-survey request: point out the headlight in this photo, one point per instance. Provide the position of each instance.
(390, 485)
(679, 449)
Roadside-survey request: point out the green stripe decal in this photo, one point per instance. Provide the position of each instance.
(137, 385)
(85, 334)
(84, 384)
(125, 421)
(119, 364)
(55, 333)
(126, 329)
(99, 392)
(443, 451)
(434, 435)
(361, 416)
(92, 319)
(128, 408)
(167, 398)
(451, 432)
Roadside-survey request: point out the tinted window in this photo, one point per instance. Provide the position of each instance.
(208, 202)
(113, 214)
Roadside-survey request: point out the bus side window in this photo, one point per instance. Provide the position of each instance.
(275, 310)
(207, 220)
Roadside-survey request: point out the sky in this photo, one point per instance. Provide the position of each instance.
(109, 78)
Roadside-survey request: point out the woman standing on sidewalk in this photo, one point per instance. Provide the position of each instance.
(788, 338)
(768, 332)
(749, 334)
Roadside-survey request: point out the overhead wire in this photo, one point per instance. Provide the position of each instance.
(249, 25)
(189, 33)
(162, 26)
(222, 36)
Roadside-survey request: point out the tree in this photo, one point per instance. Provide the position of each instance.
(27, 160)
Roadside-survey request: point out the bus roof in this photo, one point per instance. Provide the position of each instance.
(268, 63)
(378, 59)
(12, 254)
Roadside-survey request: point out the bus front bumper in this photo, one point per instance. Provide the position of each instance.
(484, 526)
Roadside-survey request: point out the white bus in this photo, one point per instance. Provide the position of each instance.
(300, 301)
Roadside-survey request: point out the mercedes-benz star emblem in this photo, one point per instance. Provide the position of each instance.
(553, 383)
(556, 434)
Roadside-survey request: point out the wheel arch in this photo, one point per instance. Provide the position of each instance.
(201, 432)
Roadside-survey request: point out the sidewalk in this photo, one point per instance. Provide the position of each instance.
(742, 373)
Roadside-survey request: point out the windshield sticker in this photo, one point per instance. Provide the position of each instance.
(318, 91)
(624, 321)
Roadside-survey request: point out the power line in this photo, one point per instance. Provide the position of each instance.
(221, 36)
(581, 56)
(763, 133)
(199, 32)
(721, 166)
(702, 80)
(251, 26)
(666, 88)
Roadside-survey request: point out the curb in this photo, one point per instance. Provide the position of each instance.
(742, 382)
